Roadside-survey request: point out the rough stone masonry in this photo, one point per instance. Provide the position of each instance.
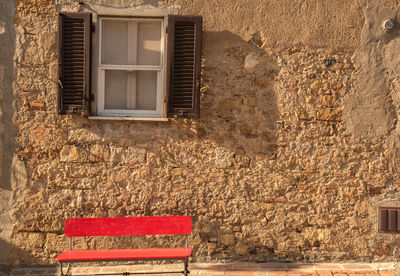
(296, 147)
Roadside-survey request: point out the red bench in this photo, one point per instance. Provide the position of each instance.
(126, 226)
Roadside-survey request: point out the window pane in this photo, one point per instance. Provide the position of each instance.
(115, 89)
(135, 90)
(130, 42)
(149, 43)
(147, 90)
(114, 42)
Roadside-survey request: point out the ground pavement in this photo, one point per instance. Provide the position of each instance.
(232, 269)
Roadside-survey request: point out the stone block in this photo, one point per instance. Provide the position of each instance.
(327, 100)
(55, 243)
(263, 81)
(83, 136)
(211, 247)
(224, 109)
(251, 61)
(383, 250)
(223, 158)
(245, 129)
(31, 78)
(127, 155)
(241, 248)
(329, 114)
(99, 153)
(252, 101)
(29, 241)
(36, 105)
(315, 86)
(73, 154)
(227, 239)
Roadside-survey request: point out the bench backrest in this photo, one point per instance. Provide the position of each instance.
(128, 226)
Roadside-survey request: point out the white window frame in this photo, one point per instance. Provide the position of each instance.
(101, 111)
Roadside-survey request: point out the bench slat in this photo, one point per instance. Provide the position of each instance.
(124, 254)
(125, 226)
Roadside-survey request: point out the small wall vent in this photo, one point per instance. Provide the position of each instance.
(389, 219)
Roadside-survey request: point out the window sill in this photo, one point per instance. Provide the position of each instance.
(120, 118)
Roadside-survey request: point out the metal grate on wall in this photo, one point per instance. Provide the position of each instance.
(389, 219)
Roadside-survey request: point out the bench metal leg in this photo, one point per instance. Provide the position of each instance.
(186, 271)
(68, 273)
(60, 266)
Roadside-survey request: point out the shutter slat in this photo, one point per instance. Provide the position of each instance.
(73, 49)
(183, 73)
(73, 76)
(74, 61)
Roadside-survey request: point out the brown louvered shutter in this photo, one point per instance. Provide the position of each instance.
(184, 63)
(74, 63)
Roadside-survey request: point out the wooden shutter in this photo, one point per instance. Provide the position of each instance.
(74, 63)
(183, 67)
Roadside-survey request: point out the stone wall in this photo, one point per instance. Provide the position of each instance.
(279, 167)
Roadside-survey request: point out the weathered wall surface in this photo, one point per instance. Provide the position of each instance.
(282, 165)
(284, 23)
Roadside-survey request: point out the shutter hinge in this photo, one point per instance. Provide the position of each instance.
(59, 83)
(166, 30)
(73, 110)
(183, 113)
(93, 28)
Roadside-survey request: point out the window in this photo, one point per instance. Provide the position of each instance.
(143, 70)
(130, 70)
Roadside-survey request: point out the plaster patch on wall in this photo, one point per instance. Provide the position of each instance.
(370, 109)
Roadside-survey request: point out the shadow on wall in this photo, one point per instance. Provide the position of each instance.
(7, 46)
(27, 249)
(4, 251)
(7, 127)
(238, 105)
(238, 111)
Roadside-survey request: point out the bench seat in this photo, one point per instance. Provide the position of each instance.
(126, 226)
(124, 254)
